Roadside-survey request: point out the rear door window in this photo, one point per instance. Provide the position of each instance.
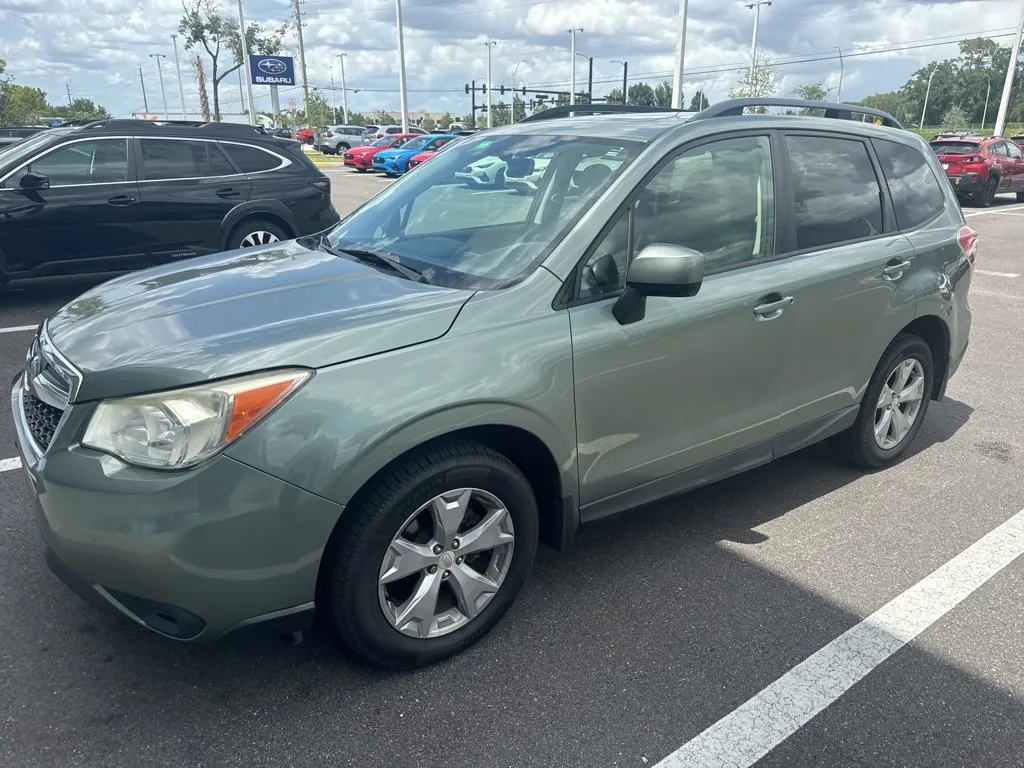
(172, 159)
(837, 195)
(916, 194)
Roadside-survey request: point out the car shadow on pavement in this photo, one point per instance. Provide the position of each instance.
(649, 629)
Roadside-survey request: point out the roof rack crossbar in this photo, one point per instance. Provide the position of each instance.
(835, 110)
(553, 113)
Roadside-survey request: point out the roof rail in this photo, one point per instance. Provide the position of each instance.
(553, 113)
(835, 110)
(223, 129)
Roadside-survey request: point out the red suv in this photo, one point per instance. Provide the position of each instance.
(981, 167)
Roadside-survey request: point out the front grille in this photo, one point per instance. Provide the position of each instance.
(42, 419)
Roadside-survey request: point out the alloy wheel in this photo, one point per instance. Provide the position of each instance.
(259, 237)
(899, 403)
(446, 563)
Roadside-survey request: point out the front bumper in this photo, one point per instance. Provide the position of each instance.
(192, 555)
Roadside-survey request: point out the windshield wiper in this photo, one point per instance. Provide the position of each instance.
(378, 259)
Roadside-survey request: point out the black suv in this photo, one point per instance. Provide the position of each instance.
(119, 195)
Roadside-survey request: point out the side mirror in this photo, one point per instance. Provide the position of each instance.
(519, 167)
(34, 181)
(659, 270)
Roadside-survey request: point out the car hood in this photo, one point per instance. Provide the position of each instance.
(239, 312)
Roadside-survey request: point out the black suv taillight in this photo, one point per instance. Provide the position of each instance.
(324, 185)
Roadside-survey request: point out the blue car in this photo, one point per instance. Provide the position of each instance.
(395, 162)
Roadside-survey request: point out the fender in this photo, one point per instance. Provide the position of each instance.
(255, 208)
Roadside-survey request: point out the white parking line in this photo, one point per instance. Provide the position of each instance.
(1010, 275)
(6, 465)
(18, 328)
(1004, 209)
(750, 732)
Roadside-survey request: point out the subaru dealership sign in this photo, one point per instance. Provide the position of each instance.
(272, 70)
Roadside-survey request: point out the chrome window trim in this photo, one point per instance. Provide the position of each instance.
(285, 162)
(64, 144)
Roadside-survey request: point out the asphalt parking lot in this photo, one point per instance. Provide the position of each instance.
(656, 626)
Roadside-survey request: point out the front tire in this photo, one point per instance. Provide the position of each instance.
(431, 556)
(894, 405)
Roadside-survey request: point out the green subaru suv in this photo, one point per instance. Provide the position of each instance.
(380, 423)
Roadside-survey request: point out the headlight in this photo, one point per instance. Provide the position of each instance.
(178, 429)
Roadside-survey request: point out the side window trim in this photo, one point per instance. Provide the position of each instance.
(888, 213)
(568, 295)
(131, 174)
(140, 166)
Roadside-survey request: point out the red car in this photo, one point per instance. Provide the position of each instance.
(361, 158)
(305, 135)
(981, 167)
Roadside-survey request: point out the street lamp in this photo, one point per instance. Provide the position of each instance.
(677, 85)
(490, 45)
(927, 93)
(625, 71)
(181, 87)
(988, 92)
(245, 65)
(403, 92)
(160, 72)
(514, 70)
(757, 21)
(572, 84)
(344, 88)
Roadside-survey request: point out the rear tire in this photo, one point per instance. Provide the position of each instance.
(988, 195)
(368, 614)
(861, 443)
(256, 232)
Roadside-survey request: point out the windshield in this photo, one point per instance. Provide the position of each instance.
(441, 223)
(955, 147)
(383, 143)
(418, 143)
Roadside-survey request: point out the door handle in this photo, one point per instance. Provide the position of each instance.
(895, 270)
(227, 192)
(772, 307)
(121, 200)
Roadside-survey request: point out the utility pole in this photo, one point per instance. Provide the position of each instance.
(625, 70)
(68, 86)
(677, 80)
(1011, 70)
(245, 60)
(512, 117)
(842, 66)
(403, 93)
(160, 73)
(988, 92)
(334, 97)
(145, 101)
(928, 92)
(490, 45)
(344, 87)
(302, 60)
(181, 87)
(572, 86)
(590, 80)
(756, 5)
(472, 112)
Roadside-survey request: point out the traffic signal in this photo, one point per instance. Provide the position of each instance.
(503, 90)
(467, 88)
(483, 89)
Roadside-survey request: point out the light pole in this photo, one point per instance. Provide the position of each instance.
(344, 87)
(160, 72)
(404, 95)
(626, 69)
(839, 91)
(756, 5)
(677, 84)
(590, 76)
(1011, 70)
(927, 93)
(988, 92)
(490, 44)
(181, 87)
(245, 65)
(572, 84)
(334, 96)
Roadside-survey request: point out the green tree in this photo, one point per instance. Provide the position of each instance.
(429, 124)
(445, 121)
(207, 23)
(23, 104)
(812, 91)
(758, 80)
(318, 111)
(641, 95)
(614, 96)
(663, 94)
(893, 102)
(80, 109)
(954, 119)
(518, 109)
(502, 115)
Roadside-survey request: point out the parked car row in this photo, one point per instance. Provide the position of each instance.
(396, 154)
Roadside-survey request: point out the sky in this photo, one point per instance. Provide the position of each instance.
(95, 47)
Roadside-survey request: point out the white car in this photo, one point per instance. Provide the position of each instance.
(485, 172)
(528, 184)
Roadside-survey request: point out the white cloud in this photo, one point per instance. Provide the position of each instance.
(98, 45)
